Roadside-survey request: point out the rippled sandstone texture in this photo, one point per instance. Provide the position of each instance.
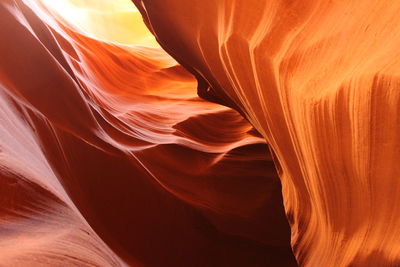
(320, 81)
(109, 158)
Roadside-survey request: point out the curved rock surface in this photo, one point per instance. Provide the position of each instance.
(108, 157)
(320, 81)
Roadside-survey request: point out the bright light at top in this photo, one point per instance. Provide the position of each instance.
(116, 21)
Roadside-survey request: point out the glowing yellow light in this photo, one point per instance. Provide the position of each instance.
(116, 21)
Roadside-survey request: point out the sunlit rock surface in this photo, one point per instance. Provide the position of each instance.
(108, 157)
(320, 81)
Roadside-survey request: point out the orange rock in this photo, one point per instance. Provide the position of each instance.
(320, 81)
(108, 157)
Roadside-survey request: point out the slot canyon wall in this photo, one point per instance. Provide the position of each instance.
(109, 158)
(320, 81)
(236, 133)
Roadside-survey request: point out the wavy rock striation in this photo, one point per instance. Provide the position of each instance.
(109, 158)
(320, 81)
